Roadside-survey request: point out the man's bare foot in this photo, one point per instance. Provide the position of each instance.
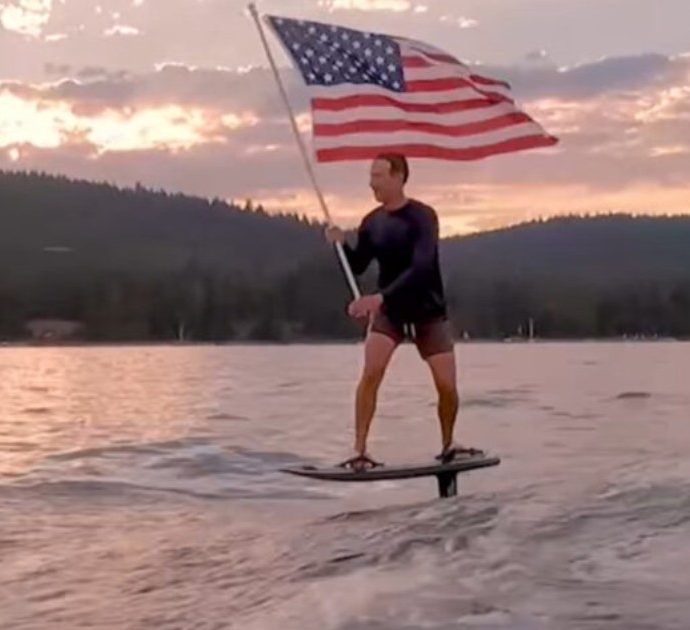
(360, 462)
(449, 453)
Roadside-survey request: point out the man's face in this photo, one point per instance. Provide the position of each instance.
(386, 185)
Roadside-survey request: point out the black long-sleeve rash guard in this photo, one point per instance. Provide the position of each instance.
(404, 242)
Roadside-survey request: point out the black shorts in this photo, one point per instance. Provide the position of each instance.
(430, 337)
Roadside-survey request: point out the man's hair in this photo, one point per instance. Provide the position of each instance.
(398, 163)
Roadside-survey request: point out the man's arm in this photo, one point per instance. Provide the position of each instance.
(426, 241)
(362, 254)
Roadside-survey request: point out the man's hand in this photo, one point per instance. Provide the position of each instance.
(334, 234)
(365, 306)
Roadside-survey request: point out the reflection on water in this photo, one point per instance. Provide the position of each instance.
(140, 487)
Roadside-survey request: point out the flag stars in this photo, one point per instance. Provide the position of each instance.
(331, 55)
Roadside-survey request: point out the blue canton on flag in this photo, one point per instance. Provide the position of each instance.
(330, 55)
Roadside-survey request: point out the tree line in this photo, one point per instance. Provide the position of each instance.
(142, 265)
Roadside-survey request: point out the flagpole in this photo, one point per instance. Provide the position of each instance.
(307, 163)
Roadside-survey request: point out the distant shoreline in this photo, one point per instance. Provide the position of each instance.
(328, 342)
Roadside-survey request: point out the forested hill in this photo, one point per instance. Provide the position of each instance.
(141, 264)
(98, 227)
(608, 249)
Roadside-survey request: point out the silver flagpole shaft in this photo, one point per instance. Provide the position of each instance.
(300, 141)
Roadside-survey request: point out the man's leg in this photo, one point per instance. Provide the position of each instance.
(444, 373)
(378, 349)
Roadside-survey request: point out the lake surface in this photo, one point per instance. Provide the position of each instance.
(140, 488)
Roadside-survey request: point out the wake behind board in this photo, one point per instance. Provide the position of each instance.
(446, 474)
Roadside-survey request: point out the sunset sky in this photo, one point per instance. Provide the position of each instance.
(176, 94)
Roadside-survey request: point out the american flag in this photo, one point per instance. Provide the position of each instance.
(372, 92)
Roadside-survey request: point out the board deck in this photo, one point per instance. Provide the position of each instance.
(400, 471)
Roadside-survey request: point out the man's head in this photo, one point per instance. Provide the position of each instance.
(388, 176)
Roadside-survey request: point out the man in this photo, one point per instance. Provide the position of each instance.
(402, 235)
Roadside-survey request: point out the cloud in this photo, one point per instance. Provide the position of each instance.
(397, 6)
(625, 141)
(228, 90)
(121, 30)
(609, 75)
(462, 22)
(26, 17)
(97, 73)
(537, 55)
(56, 37)
(57, 69)
(42, 118)
(209, 33)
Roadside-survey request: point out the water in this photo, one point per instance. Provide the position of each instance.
(139, 488)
